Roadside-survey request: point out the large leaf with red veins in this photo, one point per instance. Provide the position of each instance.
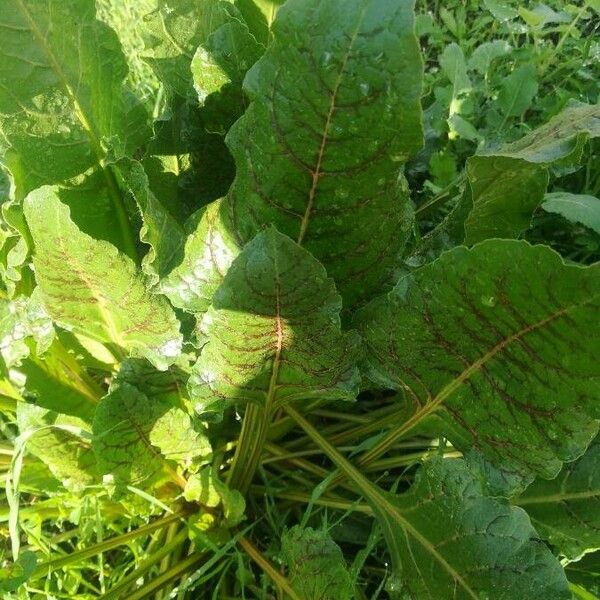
(88, 286)
(501, 343)
(335, 112)
(273, 332)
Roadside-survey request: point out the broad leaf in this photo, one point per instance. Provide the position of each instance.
(209, 251)
(173, 33)
(260, 15)
(57, 381)
(495, 341)
(565, 510)
(21, 319)
(160, 230)
(316, 566)
(60, 99)
(321, 160)
(577, 208)
(89, 287)
(134, 434)
(219, 67)
(508, 184)
(518, 91)
(273, 332)
(448, 540)
(486, 53)
(452, 62)
(206, 487)
(62, 442)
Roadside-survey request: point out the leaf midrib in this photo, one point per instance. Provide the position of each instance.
(316, 173)
(557, 498)
(453, 385)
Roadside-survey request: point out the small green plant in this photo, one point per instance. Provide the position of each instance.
(289, 312)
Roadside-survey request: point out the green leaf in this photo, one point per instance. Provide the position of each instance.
(487, 52)
(173, 33)
(565, 509)
(448, 540)
(209, 251)
(518, 90)
(586, 573)
(260, 15)
(160, 230)
(315, 564)
(501, 9)
(20, 319)
(61, 99)
(507, 184)
(206, 487)
(493, 340)
(133, 434)
(15, 575)
(124, 17)
(89, 287)
(220, 65)
(505, 191)
(577, 208)
(321, 160)
(452, 62)
(61, 442)
(273, 332)
(56, 380)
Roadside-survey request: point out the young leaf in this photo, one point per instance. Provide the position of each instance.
(454, 66)
(487, 52)
(132, 433)
(206, 487)
(60, 98)
(89, 287)
(14, 576)
(321, 160)
(518, 90)
(493, 340)
(209, 251)
(273, 332)
(509, 183)
(316, 566)
(577, 208)
(565, 510)
(260, 15)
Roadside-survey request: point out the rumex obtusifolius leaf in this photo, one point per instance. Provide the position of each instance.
(88, 286)
(59, 97)
(321, 159)
(134, 433)
(565, 509)
(577, 208)
(450, 541)
(68, 456)
(209, 251)
(500, 341)
(316, 566)
(273, 332)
